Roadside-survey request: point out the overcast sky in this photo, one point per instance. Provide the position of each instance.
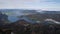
(30, 4)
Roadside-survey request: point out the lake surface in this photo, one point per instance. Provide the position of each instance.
(13, 18)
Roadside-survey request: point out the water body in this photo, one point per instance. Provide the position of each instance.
(13, 18)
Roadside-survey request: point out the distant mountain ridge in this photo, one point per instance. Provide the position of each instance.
(50, 12)
(23, 11)
(18, 11)
(13, 13)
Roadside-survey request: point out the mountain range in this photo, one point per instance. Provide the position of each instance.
(13, 13)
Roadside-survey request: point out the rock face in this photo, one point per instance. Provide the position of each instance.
(3, 18)
(20, 26)
(4, 26)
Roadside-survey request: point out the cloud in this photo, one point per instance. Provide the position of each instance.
(30, 4)
(18, 3)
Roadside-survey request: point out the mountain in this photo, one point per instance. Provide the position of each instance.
(43, 16)
(13, 13)
(17, 11)
(34, 14)
(50, 12)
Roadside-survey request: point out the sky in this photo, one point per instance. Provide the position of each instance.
(30, 4)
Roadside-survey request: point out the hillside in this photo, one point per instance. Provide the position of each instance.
(41, 17)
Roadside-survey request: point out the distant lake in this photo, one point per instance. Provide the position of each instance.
(13, 18)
